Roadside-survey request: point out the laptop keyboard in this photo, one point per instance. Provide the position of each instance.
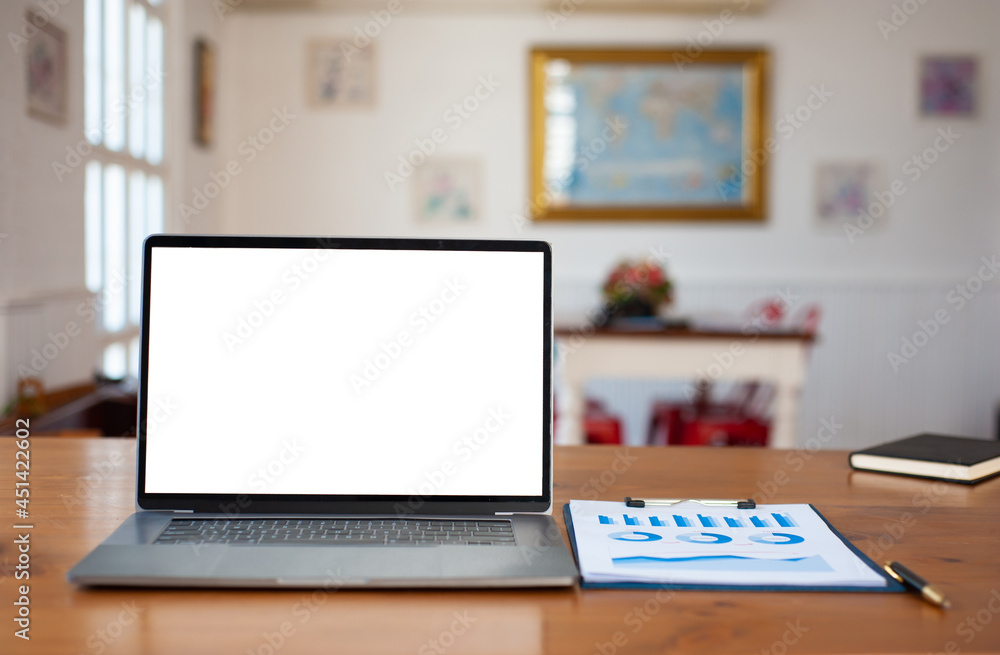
(350, 532)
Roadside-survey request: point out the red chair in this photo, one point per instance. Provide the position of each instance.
(737, 421)
(742, 419)
(599, 425)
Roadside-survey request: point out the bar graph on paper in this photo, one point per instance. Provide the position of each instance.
(699, 520)
(691, 543)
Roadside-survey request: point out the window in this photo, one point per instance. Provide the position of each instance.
(123, 106)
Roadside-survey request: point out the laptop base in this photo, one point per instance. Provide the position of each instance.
(129, 558)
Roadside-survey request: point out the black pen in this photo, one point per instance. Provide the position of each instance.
(667, 502)
(929, 592)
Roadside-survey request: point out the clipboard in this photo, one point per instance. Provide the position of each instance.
(892, 586)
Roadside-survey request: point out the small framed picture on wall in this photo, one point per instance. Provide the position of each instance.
(45, 62)
(949, 86)
(847, 191)
(204, 92)
(448, 191)
(340, 77)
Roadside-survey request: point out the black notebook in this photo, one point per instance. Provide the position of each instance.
(958, 459)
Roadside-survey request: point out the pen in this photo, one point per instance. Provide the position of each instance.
(749, 503)
(929, 593)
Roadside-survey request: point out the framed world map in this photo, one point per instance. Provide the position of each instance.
(648, 134)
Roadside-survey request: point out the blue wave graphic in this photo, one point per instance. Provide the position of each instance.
(814, 563)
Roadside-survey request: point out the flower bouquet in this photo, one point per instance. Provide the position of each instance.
(635, 289)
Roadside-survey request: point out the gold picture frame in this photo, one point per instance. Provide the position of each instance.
(698, 151)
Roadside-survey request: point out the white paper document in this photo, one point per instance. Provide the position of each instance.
(693, 544)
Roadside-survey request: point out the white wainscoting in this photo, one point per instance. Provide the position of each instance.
(951, 385)
(33, 334)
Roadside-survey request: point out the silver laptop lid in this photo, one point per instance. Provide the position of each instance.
(316, 374)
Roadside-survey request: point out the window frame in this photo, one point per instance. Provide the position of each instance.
(142, 88)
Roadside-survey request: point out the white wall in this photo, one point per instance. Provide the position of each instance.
(42, 254)
(42, 281)
(43, 216)
(324, 175)
(193, 164)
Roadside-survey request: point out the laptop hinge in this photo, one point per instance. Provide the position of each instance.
(549, 512)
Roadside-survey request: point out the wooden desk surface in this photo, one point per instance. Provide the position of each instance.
(82, 488)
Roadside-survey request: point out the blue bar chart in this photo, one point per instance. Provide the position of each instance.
(714, 543)
(708, 521)
(774, 519)
(784, 520)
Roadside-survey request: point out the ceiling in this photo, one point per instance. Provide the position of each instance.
(565, 6)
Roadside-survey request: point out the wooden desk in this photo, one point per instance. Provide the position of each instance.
(778, 357)
(82, 488)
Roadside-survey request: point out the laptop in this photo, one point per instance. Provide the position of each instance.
(348, 412)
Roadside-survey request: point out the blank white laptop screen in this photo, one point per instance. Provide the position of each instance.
(291, 371)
